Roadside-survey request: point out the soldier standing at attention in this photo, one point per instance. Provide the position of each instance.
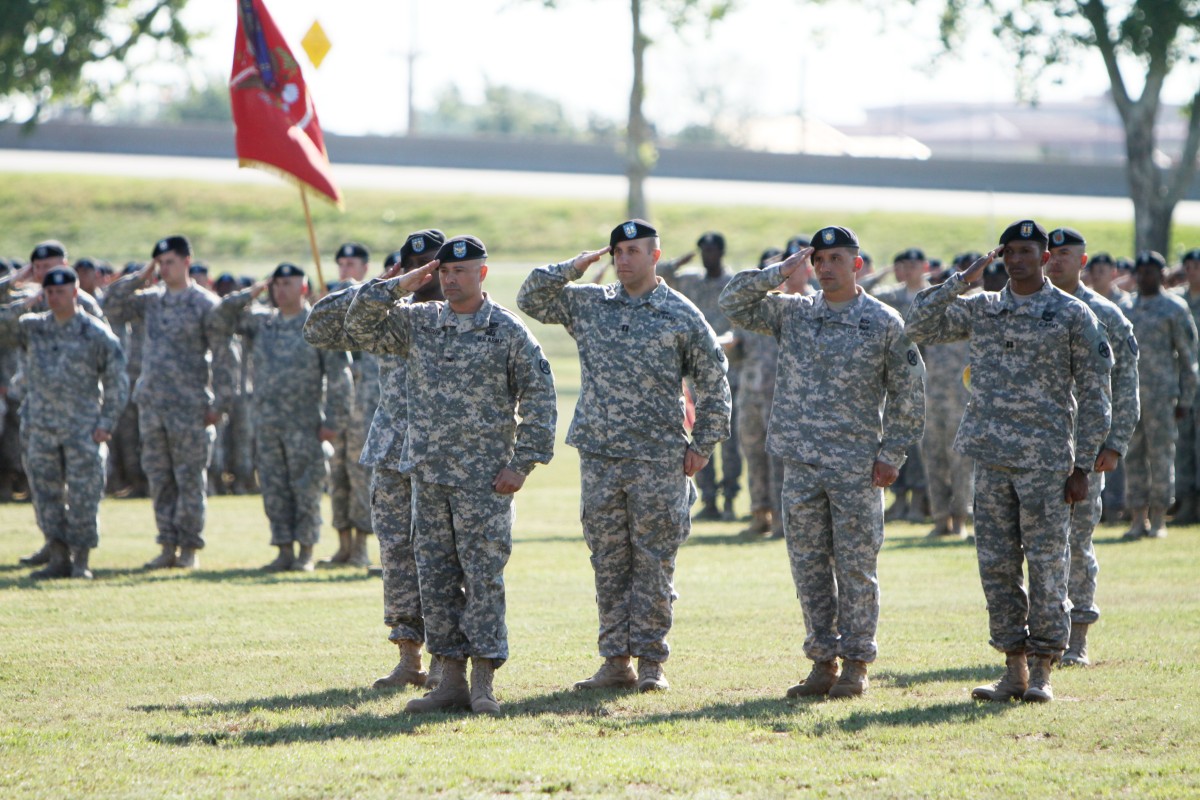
(180, 394)
(849, 401)
(1187, 456)
(75, 388)
(638, 339)
(1037, 355)
(391, 486)
(1166, 339)
(703, 289)
(301, 399)
(1068, 254)
(1104, 273)
(481, 415)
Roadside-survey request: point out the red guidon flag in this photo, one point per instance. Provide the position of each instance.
(277, 126)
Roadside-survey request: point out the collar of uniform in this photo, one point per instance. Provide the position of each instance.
(449, 319)
(656, 297)
(855, 309)
(1032, 307)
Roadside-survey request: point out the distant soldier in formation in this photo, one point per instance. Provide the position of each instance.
(481, 415)
(1068, 254)
(1035, 424)
(235, 433)
(1166, 339)
(75, 388)
(638, 339)
(1103, 272)
(849, 402)
(126, 476)
(301, 399)
(185, 386)
(1187, 454)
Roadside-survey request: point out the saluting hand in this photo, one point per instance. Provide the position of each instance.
(258, 287)
(411, 281)
(392, 271)
(589, 257)
(973, 272)
(794, 261)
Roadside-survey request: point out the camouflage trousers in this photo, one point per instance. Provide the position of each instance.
(1021, 518)
(125, 452)
(1081, 582)
(834, 527)
(731, 465)
(1150, 462)
(1187, 454)
(350, 481)
(392, 516)
(292, 473)
(176, 447)
(66, 479)
(764, 472)
(462, 538)
(949, 475)
(635, 515)
(240, 441)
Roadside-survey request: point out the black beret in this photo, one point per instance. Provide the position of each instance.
(104, 267)
(833, 236)
(353, 250)
(795, 244)
(1191, 255)
(60, 276)
(461, 248)
(1150, 258)
(392, 259)
(1060, 237)
(426, 241)
(132, 267)
(631, 229)
(1101, 258)
(225, 277)
(286, 270)
(51, 248)
(5, 265)
(84, 263)
(198, 268)
(245, 281)
(1025, 230)
(172, 244)
(770, 255)
(711, 238)
(1125, 264)
(911, 254)
(865, 256)
(995, 268)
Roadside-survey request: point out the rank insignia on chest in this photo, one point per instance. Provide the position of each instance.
(1047, 316)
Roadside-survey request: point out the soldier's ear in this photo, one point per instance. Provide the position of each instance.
(858, 263)
(1083, 260)
(1045, 257)
(482, 271)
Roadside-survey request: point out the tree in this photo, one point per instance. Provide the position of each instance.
(46, 47)
(1143, 39)
(639, 150)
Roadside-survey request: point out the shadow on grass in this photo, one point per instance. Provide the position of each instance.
(329, 698)
(576, 539)
(925, 543)
(727, 539)
(976, 674)
(956, 713)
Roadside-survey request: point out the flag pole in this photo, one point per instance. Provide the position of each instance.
(312, 241)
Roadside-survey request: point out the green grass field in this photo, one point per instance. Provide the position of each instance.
(232, 683)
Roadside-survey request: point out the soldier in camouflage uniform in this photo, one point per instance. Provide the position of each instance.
(850, 400)
(127, 478)
(638, 339)
(291, 378)
(1037, 355)
(1101, 274)
(703, 288)
(481, 415)
(75, 387)
(186, 384)
(391, 487)
(1187, 455)
(1166, 337)
(1068, 254)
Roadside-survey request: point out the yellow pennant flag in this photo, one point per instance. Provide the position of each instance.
(316, 44)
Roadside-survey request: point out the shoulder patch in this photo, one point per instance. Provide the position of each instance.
(1133, 345)
(912, 358)
(544, 366)
(1105, 351)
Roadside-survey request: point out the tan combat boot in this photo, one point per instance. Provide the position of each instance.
(760, 525)
(359, 557)
(435, 672)
(189, 558)
(451, 693)
(1137, 524)
(79, 563)
(1011, 685)
(38, 557)
(59, 564)
(408, 672)
(1039, 690)
(958, 525)
(852, 682)
(1158, 523)
(819, 681)
(1076, 655)
(344, 547)
(650, 677)
(283, 562)
(163, 560)
(940, 528)
(727, 512)
(304, 561)
(483, 700)
(614, 673)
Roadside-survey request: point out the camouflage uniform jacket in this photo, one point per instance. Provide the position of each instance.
(182, 329)
(1126, 402)
(760, 358)
(634, 354)
(289, 372)
(896, 296)
(850, 384)
(1026, 358)
(75, 378)
(1166, 339)
(481, 398)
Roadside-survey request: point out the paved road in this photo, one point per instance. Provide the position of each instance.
(1002, 206)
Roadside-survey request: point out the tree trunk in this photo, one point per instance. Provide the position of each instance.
(638, 148)
(1152, 205)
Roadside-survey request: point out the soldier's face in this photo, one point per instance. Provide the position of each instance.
(431, 290)
(351, 268)
(61, 299)
(288, 292)
(462, 281)
(1024, 259)
(88, 280)
(1149, 279)
(1066, 263)
(635, 260)
(174, 268)
(1191, 268)
(711, 255)
(43, 265)
(1102, 274)
(836, 268)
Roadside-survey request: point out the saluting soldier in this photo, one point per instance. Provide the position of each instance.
(1187, 454)
(638, 339)
(849, 402)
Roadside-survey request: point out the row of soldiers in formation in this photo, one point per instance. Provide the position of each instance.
(467, 409)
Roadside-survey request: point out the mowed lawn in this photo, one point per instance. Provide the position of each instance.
(229, 682)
